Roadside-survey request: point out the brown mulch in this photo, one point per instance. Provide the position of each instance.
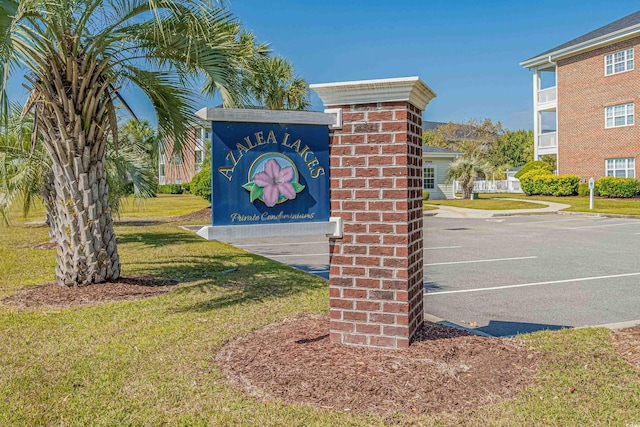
(444, 370)
(203, 214)
(627, 342)
(124, 289)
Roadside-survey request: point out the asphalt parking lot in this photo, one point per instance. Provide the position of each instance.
(514, 274)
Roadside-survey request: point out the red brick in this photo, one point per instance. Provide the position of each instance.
(363, 282)
(355, 339)
(382, 318)
(369, 306)
(371, 239)
(341, 303)
(336, 325)
(379, 138)
(398, 331)
(336, 314)
(398, 126)
(368, 261)
(359, 316)
(382, 115)
(353, 271)
(363, 328)
(335, 337)
(395, 307)
(354, 293)
(334, 292)
(382, 342)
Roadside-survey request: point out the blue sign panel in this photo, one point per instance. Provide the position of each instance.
(269, 173)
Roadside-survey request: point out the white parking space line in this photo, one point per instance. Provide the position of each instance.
(278, 244)
(480, 260)
(295, 255)
(442, 247)
(545, 222)
(552, 282)
(618, 224)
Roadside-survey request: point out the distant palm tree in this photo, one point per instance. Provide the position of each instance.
(77, 55)
(465, 169)
(274, 86)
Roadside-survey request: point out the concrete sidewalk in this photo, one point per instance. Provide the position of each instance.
(454, 212)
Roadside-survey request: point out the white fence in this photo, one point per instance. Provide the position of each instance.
(502, 186)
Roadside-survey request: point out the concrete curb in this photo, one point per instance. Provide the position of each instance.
(600, 215)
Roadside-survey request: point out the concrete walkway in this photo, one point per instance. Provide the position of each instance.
(454, 212)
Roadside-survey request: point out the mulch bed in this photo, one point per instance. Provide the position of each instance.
(124, 289)
(445, 370)
(627, 342)
(201, 215)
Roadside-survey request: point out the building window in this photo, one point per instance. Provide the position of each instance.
(618, 62)
(178, 180)
(161, 169)
(429, 178)
(621, 168)
(619, 115)
(178, 159)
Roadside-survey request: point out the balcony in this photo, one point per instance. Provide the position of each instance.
(547, 98)
(547, 143)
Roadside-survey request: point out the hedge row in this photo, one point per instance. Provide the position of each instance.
(544, 183)
(612, 187)
(171, 189)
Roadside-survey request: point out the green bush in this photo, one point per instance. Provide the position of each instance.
(610, 186)
(544, 183)
(201, 183)
(534, 165)
(170, 189)
(186, 188)
(425, 195)
(583, 190)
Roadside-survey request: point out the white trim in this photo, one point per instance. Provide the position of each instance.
(410, 89)
(266, 116)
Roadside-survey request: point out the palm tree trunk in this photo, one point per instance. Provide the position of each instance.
(82, 225)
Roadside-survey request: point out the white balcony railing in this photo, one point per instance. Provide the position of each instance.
(548, 140)
(547, 95)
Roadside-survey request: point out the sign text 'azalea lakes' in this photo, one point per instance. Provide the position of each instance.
(250, 142)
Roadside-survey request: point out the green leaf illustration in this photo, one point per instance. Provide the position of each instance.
(256, 193)
(297, 187)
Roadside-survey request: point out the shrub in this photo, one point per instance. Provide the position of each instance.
(583, 189)
(186, 187)
(610, 186)
(425, 195)
(544, 183)
(170, 189)
(201, 183)
(534, 165)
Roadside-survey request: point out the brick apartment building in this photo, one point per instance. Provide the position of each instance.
(180, 168)
(584, 94)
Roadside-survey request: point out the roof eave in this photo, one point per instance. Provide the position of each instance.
(616, 36)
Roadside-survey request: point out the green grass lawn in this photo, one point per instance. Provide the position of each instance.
(485, 203)
(151, 363)
(581, 204)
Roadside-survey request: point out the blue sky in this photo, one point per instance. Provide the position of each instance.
(467, 51)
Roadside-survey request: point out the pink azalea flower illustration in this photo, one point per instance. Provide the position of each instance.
(275, 182)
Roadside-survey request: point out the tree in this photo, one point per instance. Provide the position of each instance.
(465, 169)
(77, 54)
(26, 174)
(143, 137)
(473, 138)
(512, 149)
(274, 86)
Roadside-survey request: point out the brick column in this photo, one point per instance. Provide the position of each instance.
(376, 273)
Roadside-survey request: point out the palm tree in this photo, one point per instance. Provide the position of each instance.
(465, 169)
(274, 86)
(77, 55)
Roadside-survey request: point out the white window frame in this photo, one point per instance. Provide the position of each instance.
(625, 57)
(629, 168)
(629, 112)
(424, 177)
